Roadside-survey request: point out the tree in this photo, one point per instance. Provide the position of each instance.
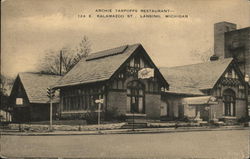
(50, 63)
(6, 84)
(64, 59)
(83, 49)
(202, 56)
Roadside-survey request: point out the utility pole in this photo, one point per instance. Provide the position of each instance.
(51, 95)
(60, 68)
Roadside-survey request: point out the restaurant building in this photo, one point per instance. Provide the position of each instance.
(124, 77)
(127, 80)
(28, 98)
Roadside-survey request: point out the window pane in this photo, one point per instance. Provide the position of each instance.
(132, 62)
(120, 84)
(19, 101)
(141, 63)
(128, 91)
(140, 104)
(128, 104)
(140, 92)
(114, 84)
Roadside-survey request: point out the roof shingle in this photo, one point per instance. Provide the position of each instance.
(190, 79)
(97, 67)
(36, 84)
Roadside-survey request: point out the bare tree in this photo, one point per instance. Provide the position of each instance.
(6, 85)
(83, 49)
(202, 56)
(50, 63)
(62, 60)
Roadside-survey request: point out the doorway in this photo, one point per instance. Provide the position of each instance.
(136, 97)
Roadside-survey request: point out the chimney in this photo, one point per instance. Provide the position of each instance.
(219, 38)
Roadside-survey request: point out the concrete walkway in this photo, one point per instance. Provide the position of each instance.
(123, 131)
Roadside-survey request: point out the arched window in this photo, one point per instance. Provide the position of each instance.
(135, 97)
(229, 102)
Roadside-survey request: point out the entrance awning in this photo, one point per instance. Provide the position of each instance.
(203, 100)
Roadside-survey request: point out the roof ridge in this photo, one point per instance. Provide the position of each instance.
(116, 47)
(39, 73)
(220, 60)
(108, 52)
(109, 49)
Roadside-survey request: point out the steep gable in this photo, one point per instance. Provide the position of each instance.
(191, 79)
(35, 85)
(99, 66)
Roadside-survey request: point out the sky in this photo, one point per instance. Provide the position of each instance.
(30, 27)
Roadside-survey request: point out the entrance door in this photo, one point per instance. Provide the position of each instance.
(135, 95)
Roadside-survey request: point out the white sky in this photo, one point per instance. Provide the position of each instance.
(29, 27)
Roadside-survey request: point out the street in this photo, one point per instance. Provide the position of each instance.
(232, 144)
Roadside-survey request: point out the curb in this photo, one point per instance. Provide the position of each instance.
(124, 131)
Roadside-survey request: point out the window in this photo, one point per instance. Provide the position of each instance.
(229, 102)
(230, 73)
(135, 97)
(83, 99)
(19, 101)
(137, 62)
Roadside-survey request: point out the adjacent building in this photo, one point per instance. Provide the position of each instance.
(230, 42)
(219, 82)
(28, 98)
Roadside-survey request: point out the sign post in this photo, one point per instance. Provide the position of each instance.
(51, 95)
(100, 102)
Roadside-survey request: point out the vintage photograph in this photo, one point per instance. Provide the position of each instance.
(125, 79)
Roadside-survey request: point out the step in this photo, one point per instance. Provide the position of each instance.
(135, 126)
(136, 120)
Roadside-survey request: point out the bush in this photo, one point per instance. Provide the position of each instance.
(184, 119)
(113, 114)
(244, 119)
(91, 117)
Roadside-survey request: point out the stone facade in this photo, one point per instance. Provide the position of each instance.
(153, 104)
(117, 100)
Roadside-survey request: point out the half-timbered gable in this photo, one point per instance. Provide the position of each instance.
(232, 78)
(129, 72)
(113, 75)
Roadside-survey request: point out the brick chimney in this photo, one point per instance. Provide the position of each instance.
(219, 38)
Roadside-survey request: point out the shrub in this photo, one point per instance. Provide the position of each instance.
(91, 117)
(112, 114)
(185, 119)
(244, 119)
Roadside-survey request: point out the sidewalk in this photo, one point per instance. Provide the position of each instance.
(124, 131)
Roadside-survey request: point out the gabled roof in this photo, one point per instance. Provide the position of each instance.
(36, 84)
(97, 67)
(191, 79)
